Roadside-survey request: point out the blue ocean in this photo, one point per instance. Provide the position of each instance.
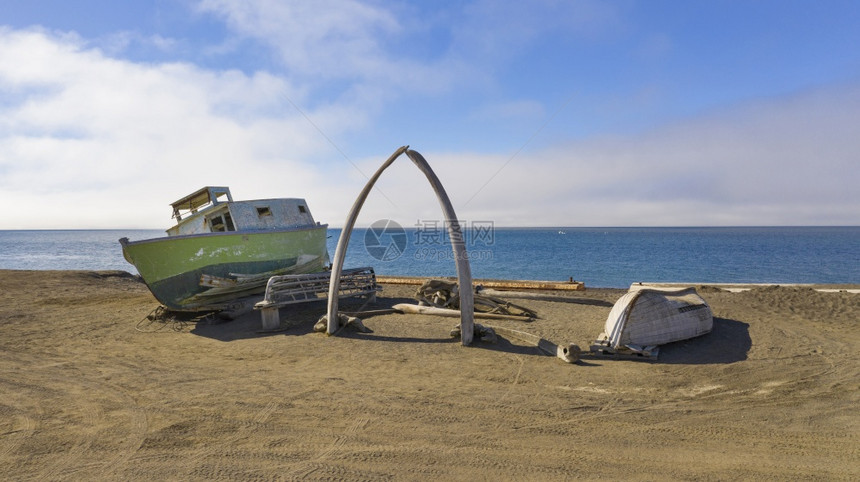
(599, 257)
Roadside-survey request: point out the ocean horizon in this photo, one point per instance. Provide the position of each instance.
(610, 257)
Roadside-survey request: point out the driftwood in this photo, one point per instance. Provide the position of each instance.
(446, 294)
(432, 310)
(481, 291)
(369, 313)
(528, 296)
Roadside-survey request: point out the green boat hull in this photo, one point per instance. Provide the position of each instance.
(173, 267)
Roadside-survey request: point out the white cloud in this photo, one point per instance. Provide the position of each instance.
(326, 38)
(785, 161)
(88, 140)
(386, 50)
(117, 43)
(92, 141)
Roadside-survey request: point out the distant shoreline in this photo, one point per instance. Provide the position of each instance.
(850, 226)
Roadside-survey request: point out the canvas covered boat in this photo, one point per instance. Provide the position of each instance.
(221, 250)
(643, 319)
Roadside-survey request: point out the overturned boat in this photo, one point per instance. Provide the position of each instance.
(643, 319)
(221, 250)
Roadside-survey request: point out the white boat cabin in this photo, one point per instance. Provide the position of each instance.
(212, 210)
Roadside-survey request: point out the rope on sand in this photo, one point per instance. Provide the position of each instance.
(162, 318)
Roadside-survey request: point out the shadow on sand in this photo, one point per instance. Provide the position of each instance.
(296, 320)
(728, 342)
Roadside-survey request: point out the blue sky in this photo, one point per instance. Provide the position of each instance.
(542, 113)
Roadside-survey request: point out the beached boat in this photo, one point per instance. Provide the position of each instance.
(221, 250)
(645, 318)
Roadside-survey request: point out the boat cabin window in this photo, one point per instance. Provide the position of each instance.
(221, 222)
(302, 209)
(264, 211)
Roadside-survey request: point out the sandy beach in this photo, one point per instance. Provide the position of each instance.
(91, 390)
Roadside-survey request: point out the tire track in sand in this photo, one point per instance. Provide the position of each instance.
(77, 404)
(305, 468)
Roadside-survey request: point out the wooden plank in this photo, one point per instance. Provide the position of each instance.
(533, 284)
(490, 283)
(433, 310)
(531, 296)
(212, 281)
